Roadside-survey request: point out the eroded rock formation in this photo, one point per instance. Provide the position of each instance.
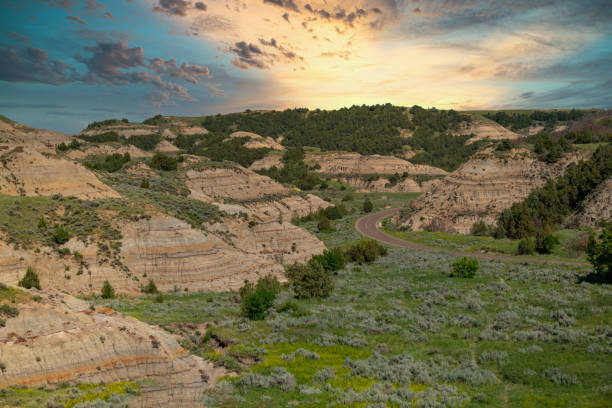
(60, 339)
(479, 190)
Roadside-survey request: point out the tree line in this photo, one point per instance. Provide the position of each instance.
(547, 207)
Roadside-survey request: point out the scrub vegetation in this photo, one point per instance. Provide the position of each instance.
(401, 331)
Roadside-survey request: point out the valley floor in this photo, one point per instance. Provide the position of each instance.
(402, 332)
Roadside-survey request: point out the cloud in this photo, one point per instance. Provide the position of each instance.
(192, 73)
(200, 6)
(75, 19)
(286, 4)
(527, 95)
(29, 64)
(18, 37)
(249, 55)
(159, 98)
(173, 7)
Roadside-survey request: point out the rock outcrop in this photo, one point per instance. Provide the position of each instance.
(596, 208)
(162, 248)
(257, 142)
(30, 173)
(479, 190)
(281, 242)
(382, 185)
(484, 128)
(13, 134)
(171, 253)
(237, 183)
(60, 339)
(267, 162)
(351, 164)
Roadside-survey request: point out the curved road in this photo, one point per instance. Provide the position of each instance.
(370, 227)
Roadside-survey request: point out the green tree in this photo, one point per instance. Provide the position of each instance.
(368, 206)
(30, 280)
(324, 225)
(257, 299)
(310, 280)
(526, 246)
(164, 162)
(108, 292)
(331, 260)
(599, 253)
(255, 305)
(365, 251)
(151, 288)
(466, 267)
(544, 244)
(60, 234)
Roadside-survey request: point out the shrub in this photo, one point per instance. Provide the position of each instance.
(8, 311)
(108, 292)
(255, 305)
(368, 206)
(62, 147)
(145, 142)
(30, 280)
(310, 280)
(162, 161)
(150, 289)
(331, 260)
(111, 163)
(101, 138)
(324, 225)
(599, 253)
(365, 251)
(279, 376)
(466, 267)
(257, 299)
(481, 229)
(545, 244)
(504, 145)
(60, 234)
(145, 183)
(526, 246)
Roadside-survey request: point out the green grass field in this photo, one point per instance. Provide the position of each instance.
(401, 332)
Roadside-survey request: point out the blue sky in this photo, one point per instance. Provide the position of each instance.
(69, 62)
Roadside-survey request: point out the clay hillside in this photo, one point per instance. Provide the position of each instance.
(190, 223)
(496, 178)
(52, 338)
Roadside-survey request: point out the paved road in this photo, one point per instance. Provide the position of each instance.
(370, 227)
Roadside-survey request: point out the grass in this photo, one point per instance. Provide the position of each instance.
(482, 244)
(407, 303)
(113, 394)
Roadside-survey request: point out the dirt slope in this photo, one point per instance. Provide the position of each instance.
(258, 141)
(351, 164)
(27, 172)
(484, 128)
(596, 208)
(479, 190)
(61, 339)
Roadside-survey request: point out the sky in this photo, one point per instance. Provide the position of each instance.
(66, 63)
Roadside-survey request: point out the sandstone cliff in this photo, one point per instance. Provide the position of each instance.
(484, 128)
(28, 172)
(382, 185)
(162, 248)
(479, 190)
(237, 183)
(60, 339)
(257, 142)
(352, 164)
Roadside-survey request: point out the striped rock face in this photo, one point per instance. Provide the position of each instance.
(61, 339)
